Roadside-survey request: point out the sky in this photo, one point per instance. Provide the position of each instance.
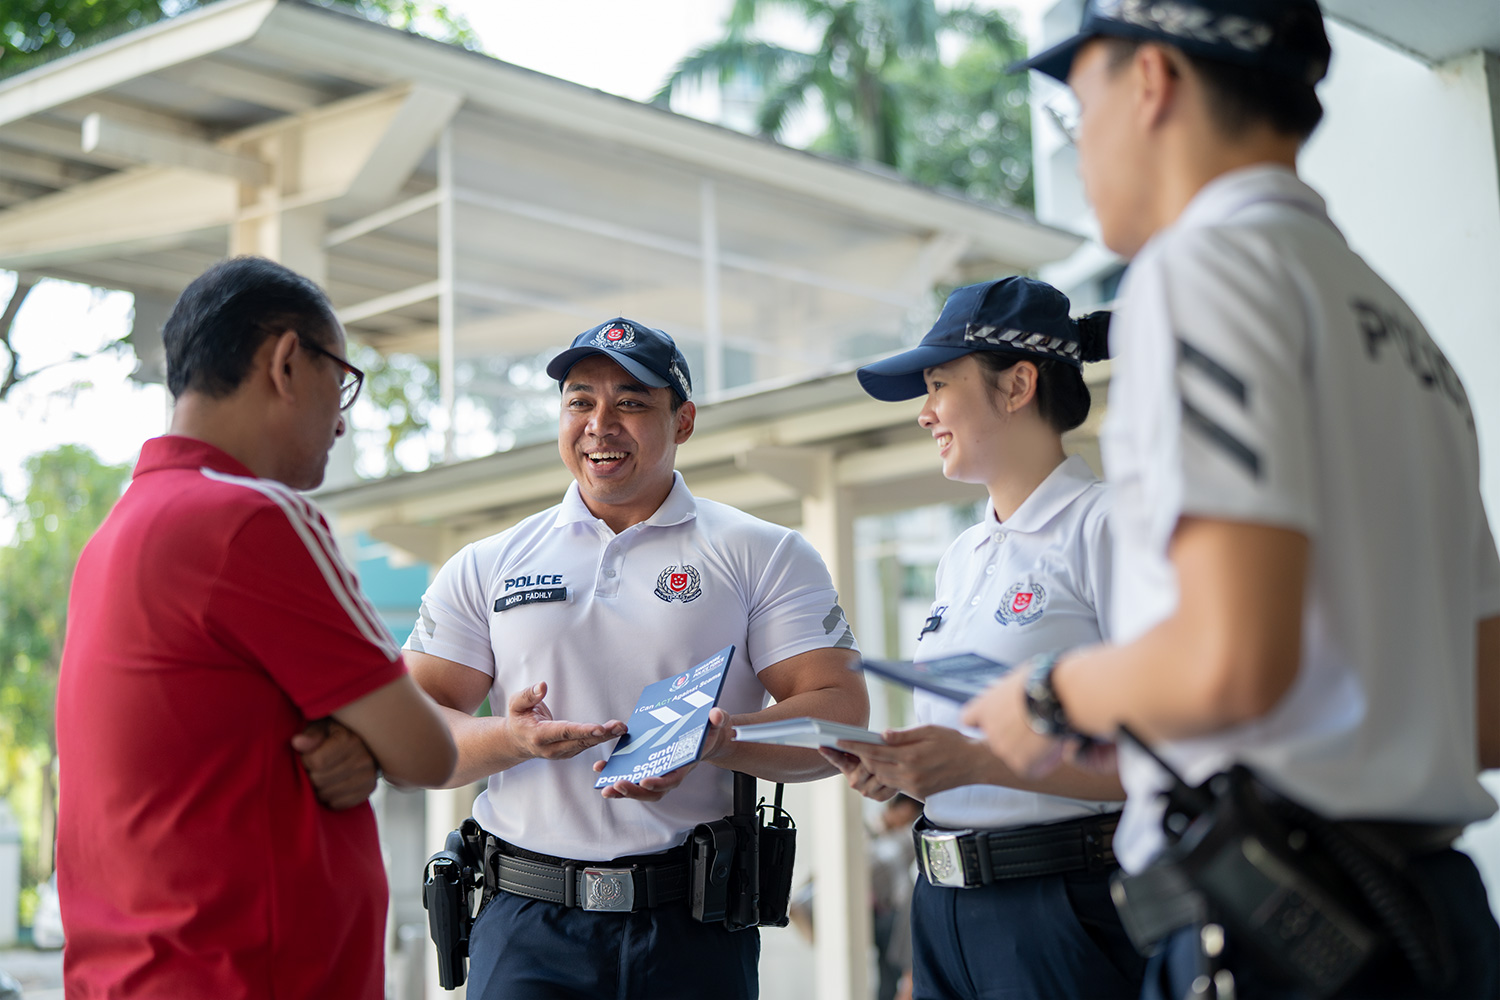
(628, 48)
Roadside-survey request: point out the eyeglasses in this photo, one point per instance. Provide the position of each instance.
(1064, 112)
(353, 377)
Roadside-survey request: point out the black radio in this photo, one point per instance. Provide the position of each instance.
(1304, 895)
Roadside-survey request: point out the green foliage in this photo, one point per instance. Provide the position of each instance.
(70, 492)
(33, 30)
(884, 89)
(401, 389)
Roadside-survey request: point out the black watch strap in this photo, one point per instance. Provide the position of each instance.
(1044, 711)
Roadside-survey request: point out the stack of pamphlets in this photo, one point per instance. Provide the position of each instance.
(666, 729)
(958, 677)
(804, 732)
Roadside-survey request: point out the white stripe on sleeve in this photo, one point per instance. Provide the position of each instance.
(313, 531)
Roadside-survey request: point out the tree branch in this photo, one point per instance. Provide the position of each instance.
(7, 326)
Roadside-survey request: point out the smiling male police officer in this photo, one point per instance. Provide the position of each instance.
(627, 581)
(1306, 579)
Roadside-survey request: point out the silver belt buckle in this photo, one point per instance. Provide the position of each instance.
(942, 859)
(608, 890)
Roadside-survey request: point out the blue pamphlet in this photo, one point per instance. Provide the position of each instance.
(958, 677)
(666, 729)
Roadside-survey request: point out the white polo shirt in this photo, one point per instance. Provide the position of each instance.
(561, 598)
(1263, 373)
(1036, 583)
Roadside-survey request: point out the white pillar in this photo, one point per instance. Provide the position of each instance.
(446, 809)
(10, 875)
(713, 330)
(840, 851)
(447, 314)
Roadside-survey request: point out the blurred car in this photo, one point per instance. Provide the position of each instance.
(46, 925)
(10, 989)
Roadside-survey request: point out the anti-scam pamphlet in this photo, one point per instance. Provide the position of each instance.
(666, 729)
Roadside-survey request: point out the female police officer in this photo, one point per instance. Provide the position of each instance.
(1015, 899)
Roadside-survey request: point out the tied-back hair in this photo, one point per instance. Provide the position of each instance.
(227, 312)
(1062, 398)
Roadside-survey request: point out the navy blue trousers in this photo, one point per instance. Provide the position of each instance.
(1454, 883)
(1051, 937)
(524, 949)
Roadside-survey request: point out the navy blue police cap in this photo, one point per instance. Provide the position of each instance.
(1017, 315)
(649, 355)
(1283, 37)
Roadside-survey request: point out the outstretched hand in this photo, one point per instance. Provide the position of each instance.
(918, 761)
(716, 742)
(339, 765)
(536, 733)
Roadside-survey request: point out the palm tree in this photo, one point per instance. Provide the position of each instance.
(876, 69)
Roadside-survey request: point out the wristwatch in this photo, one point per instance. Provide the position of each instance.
(1044, 712)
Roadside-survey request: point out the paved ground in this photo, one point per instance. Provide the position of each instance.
(39, 972)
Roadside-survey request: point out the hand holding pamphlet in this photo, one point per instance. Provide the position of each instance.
(958, 677)
(804, 732)
(666, 729)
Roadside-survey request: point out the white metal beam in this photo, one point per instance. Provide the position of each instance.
(14, 191)
(383, 218)
(424, 113)
(388, 303)
(119, 139)
(134, 114)
(47, 171)
(713, 319)
(242, 83)
(61, 140)
(681, 248)
(447, 296)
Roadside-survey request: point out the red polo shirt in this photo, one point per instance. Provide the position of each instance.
(210, 618)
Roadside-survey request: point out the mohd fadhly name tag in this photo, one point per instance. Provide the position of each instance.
(537, 595)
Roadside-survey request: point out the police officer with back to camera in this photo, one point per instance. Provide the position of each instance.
(629, 580)
(1306, 584)
(1014, 897)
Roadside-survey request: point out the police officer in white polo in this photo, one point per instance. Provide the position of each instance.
(1014, 898)
(567, 616)
(1306, 579)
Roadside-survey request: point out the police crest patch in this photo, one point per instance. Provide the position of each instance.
(679, 583)
(1022, 604)
(615, 335)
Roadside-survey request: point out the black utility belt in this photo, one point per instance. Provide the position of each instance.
(966, 859)
(608, 887)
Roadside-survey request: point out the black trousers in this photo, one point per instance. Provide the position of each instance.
(1454, 883)
(524, 949)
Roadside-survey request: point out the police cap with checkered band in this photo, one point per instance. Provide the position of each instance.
(1284, 37)
(1018, 316)
(647, 354)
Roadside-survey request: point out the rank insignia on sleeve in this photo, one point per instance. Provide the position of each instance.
(1022, 604)
(679, 583)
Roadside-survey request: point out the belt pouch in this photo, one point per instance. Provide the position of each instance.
(778, 851)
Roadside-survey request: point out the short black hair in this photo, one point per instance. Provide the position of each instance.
(1062, 398)
(227, 312)
(1241, 96)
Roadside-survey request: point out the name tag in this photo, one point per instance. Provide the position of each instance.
(539, 595)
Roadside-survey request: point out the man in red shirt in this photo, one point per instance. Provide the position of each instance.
(211, 618)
